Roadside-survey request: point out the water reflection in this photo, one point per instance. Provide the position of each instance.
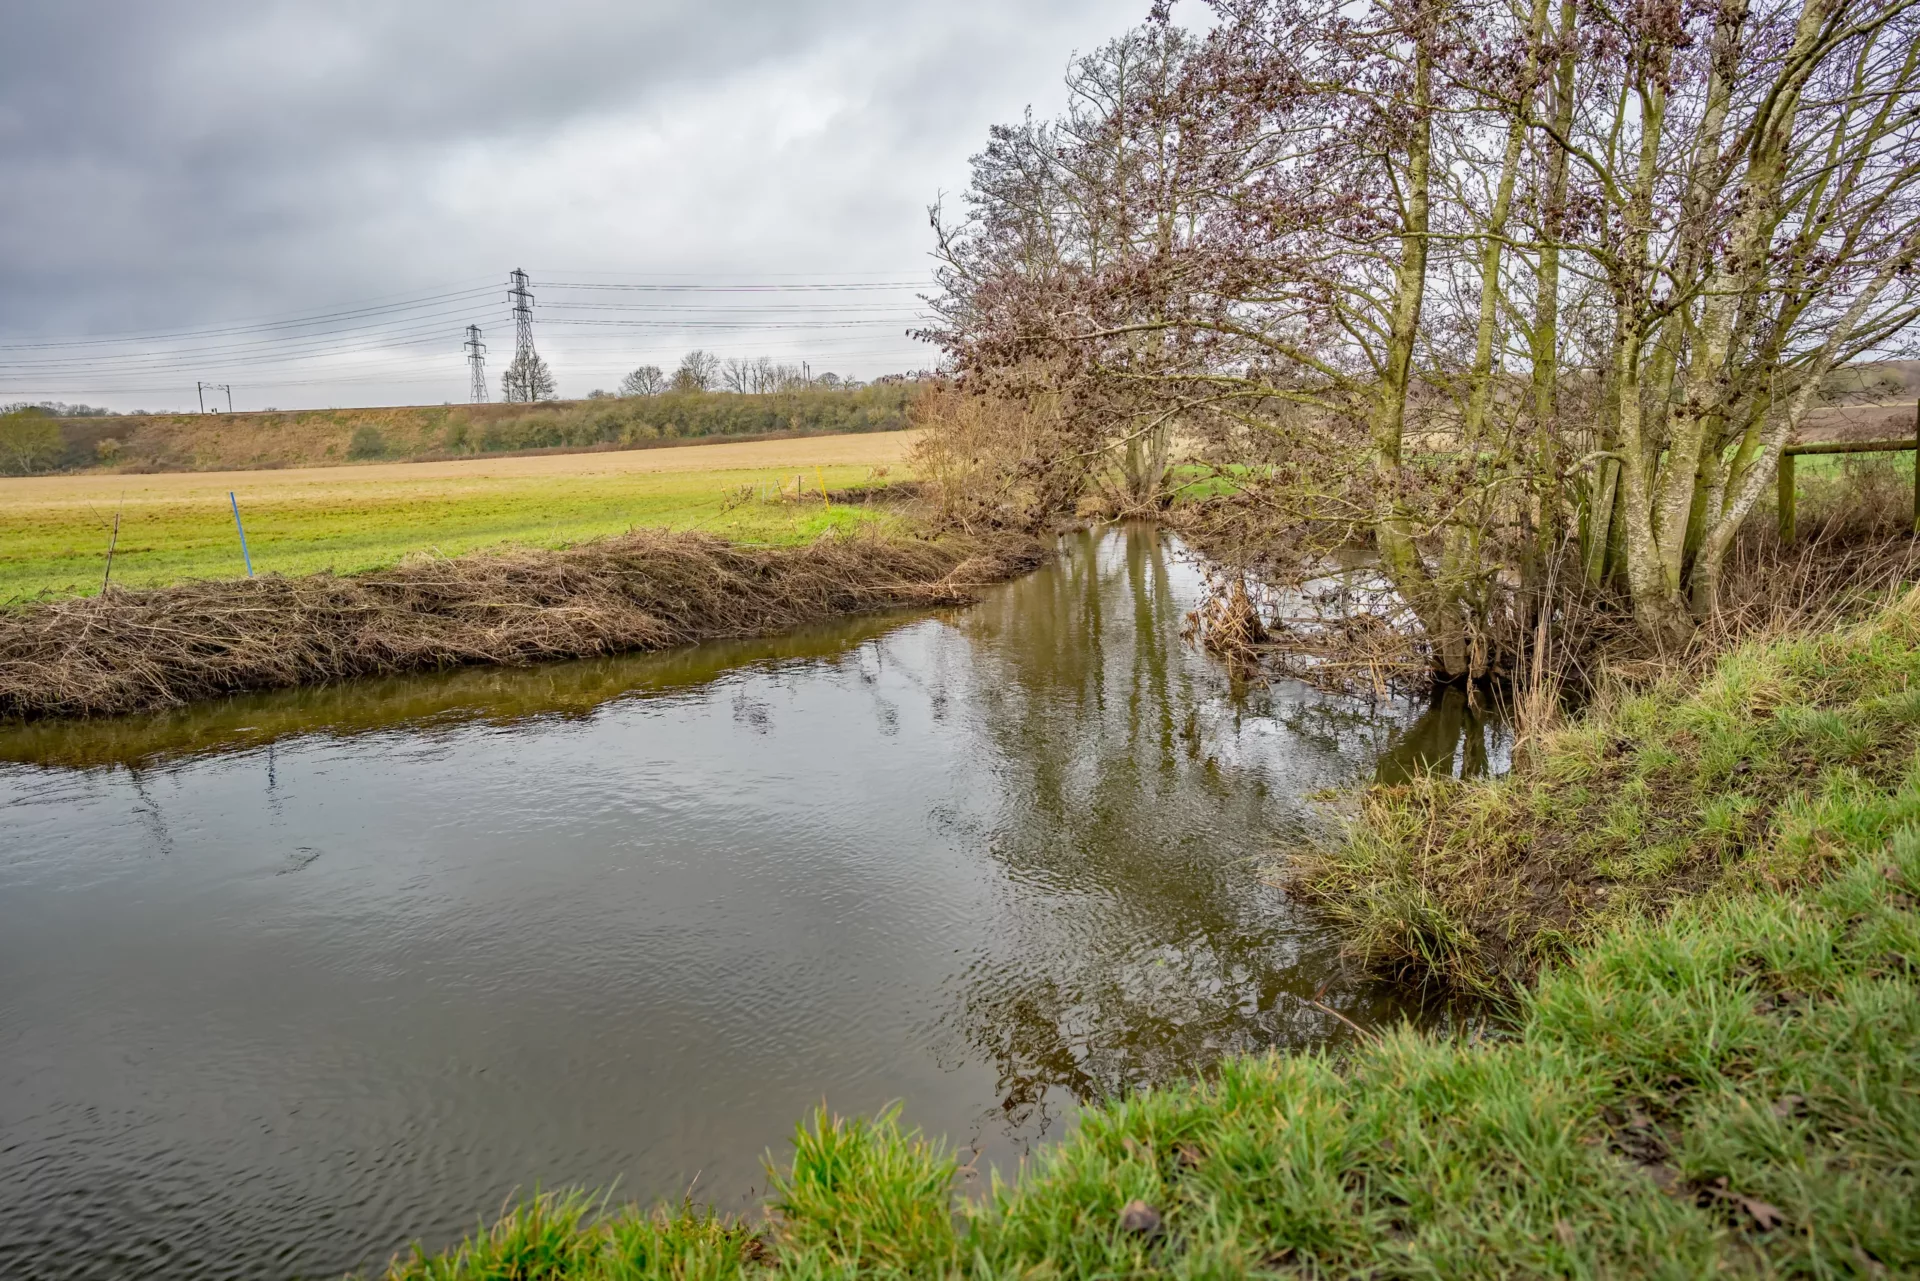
(1142, 791)
(1458, 736)
(292, 980)
(499, 696)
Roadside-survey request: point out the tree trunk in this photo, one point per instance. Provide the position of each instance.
(1433, 602)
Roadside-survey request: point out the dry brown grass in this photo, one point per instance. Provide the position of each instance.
(133, 650)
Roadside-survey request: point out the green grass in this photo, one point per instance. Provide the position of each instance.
(1742, 782)
(1719, 1079)
(1195, 482)
(60, 546)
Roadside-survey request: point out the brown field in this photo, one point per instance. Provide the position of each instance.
(871, 449)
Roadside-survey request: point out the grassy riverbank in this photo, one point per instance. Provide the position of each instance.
(1716, 1071)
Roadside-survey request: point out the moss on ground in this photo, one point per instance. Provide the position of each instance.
(1715, 1070)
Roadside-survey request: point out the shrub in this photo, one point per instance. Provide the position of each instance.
(367, 442)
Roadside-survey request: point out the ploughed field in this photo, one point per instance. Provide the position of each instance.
(54, 530)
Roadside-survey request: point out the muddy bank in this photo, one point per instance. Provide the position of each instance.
(140, 650)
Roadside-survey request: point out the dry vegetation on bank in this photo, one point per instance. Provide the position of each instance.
(133, 650)
(1337, 624)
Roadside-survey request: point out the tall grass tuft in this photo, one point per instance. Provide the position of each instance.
(566, 1236)
(1652, 797)
(862, 1197)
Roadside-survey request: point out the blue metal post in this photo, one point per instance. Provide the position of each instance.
(248, 556)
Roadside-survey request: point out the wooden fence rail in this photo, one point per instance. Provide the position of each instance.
(1787, 455)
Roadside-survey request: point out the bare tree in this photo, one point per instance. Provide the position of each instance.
(737, 374)
(698, 371)
(526, 379)
(647, 380)
(1470, 277)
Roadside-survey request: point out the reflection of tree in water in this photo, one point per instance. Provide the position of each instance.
(1458, 736)
(1136, 804)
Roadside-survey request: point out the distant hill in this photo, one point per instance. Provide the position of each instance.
(311, 437)
(1866, 402)
(1876, 382)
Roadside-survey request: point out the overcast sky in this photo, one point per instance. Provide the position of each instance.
(219, 165)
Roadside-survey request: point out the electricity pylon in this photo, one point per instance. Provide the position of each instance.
(477, 362)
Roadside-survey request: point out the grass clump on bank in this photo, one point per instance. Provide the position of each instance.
(1715, 1071)
(1749, 778)
(136, 650)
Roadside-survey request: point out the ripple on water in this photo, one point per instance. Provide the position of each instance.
(295, 979)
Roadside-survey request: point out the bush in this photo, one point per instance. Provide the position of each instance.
(367, 443)
(995, 462)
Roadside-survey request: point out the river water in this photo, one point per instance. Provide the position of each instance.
(290, 981)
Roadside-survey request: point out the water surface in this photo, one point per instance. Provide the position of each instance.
(290, 981)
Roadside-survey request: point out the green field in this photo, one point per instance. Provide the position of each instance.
(54, 531)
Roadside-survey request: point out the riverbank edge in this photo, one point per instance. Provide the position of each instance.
(1721, 1079)
(143, 650)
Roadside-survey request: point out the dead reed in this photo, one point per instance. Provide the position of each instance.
(128, 651)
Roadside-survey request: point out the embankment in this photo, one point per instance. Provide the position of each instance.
(133, 650)
(1714, 1071)
(319, 437)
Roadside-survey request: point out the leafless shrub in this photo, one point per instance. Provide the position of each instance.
(994, 461)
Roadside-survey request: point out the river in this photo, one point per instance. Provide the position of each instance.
(289, 981)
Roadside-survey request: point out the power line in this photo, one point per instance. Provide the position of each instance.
(842, 287)
(237, 327)
(300, 346)
(384, 339)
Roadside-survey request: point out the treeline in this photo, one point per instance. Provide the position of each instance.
(747, 375)
(33, 441)
(689, 415)
(1527, 297)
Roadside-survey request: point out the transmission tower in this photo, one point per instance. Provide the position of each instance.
(521, 370)
(522, 299)
(477, 362)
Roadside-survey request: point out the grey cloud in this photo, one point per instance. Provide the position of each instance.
(191, 161)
